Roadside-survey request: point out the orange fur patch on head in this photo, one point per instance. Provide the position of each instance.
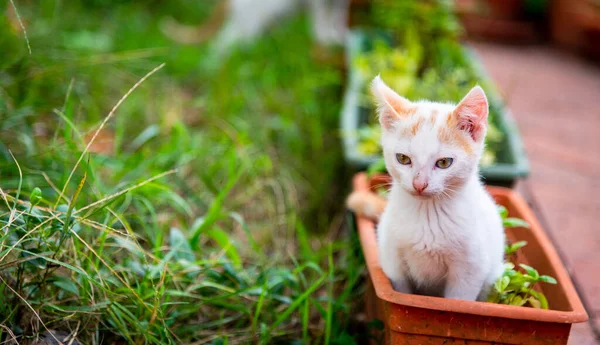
(451, 134)
(403, 110)
(433, 117)
(414, 128)
(419, 122)
(451, 120)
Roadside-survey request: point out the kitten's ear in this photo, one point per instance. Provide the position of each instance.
(390, 106)
(472, 113)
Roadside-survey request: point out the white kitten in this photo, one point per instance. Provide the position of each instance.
(440, 233)
(248, 19)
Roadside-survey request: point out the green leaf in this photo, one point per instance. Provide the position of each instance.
(66, 284)
(503, 211)
(518, 301)
(519, 244)
(147, 134)
(540, 298)
(72, 268)
(534, 303)
(515, 223)
(501, 284)
(284, 314)
(547, 279)
(129, 245)
(223, 241)
(180, 246)
(532, 272)
(517, 280)
(72, 206)
(498, 286)
(510, 249)
(36, 196)
(79, 308)
(214, 211)
(504, 283)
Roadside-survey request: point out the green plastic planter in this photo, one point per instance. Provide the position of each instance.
(511, 162)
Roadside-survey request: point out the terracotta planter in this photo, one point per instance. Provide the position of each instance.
(505, 9)
(412, 319)
(500, 30)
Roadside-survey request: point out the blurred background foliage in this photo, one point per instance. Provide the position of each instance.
(241, 244)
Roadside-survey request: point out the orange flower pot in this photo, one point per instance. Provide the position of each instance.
(413, 319)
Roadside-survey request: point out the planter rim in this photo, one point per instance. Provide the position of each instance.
(384, 290)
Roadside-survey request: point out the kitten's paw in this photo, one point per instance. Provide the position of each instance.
(401, 285)
(464, 293)
(367, 204)
(461, 297)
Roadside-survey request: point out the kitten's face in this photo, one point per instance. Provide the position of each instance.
(431, 149)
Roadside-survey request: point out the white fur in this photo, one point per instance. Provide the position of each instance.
(449, 241)
(250, 18)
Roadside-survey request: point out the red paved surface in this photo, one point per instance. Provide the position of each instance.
(555, 99)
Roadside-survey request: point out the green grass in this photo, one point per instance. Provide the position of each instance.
(214, 214)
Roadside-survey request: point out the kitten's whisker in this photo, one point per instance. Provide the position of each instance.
(447, 193)
(382, 185)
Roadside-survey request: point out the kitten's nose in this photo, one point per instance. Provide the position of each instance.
(419, 186)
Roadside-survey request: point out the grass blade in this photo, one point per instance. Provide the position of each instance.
(286, 313)
(108, 117)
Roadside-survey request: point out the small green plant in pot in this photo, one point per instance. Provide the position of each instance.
(516, 287)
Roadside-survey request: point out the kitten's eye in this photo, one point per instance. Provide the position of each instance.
(402, 159)
(444, 163)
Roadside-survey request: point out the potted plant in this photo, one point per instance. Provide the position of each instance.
(413, 319)
(504, 160)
